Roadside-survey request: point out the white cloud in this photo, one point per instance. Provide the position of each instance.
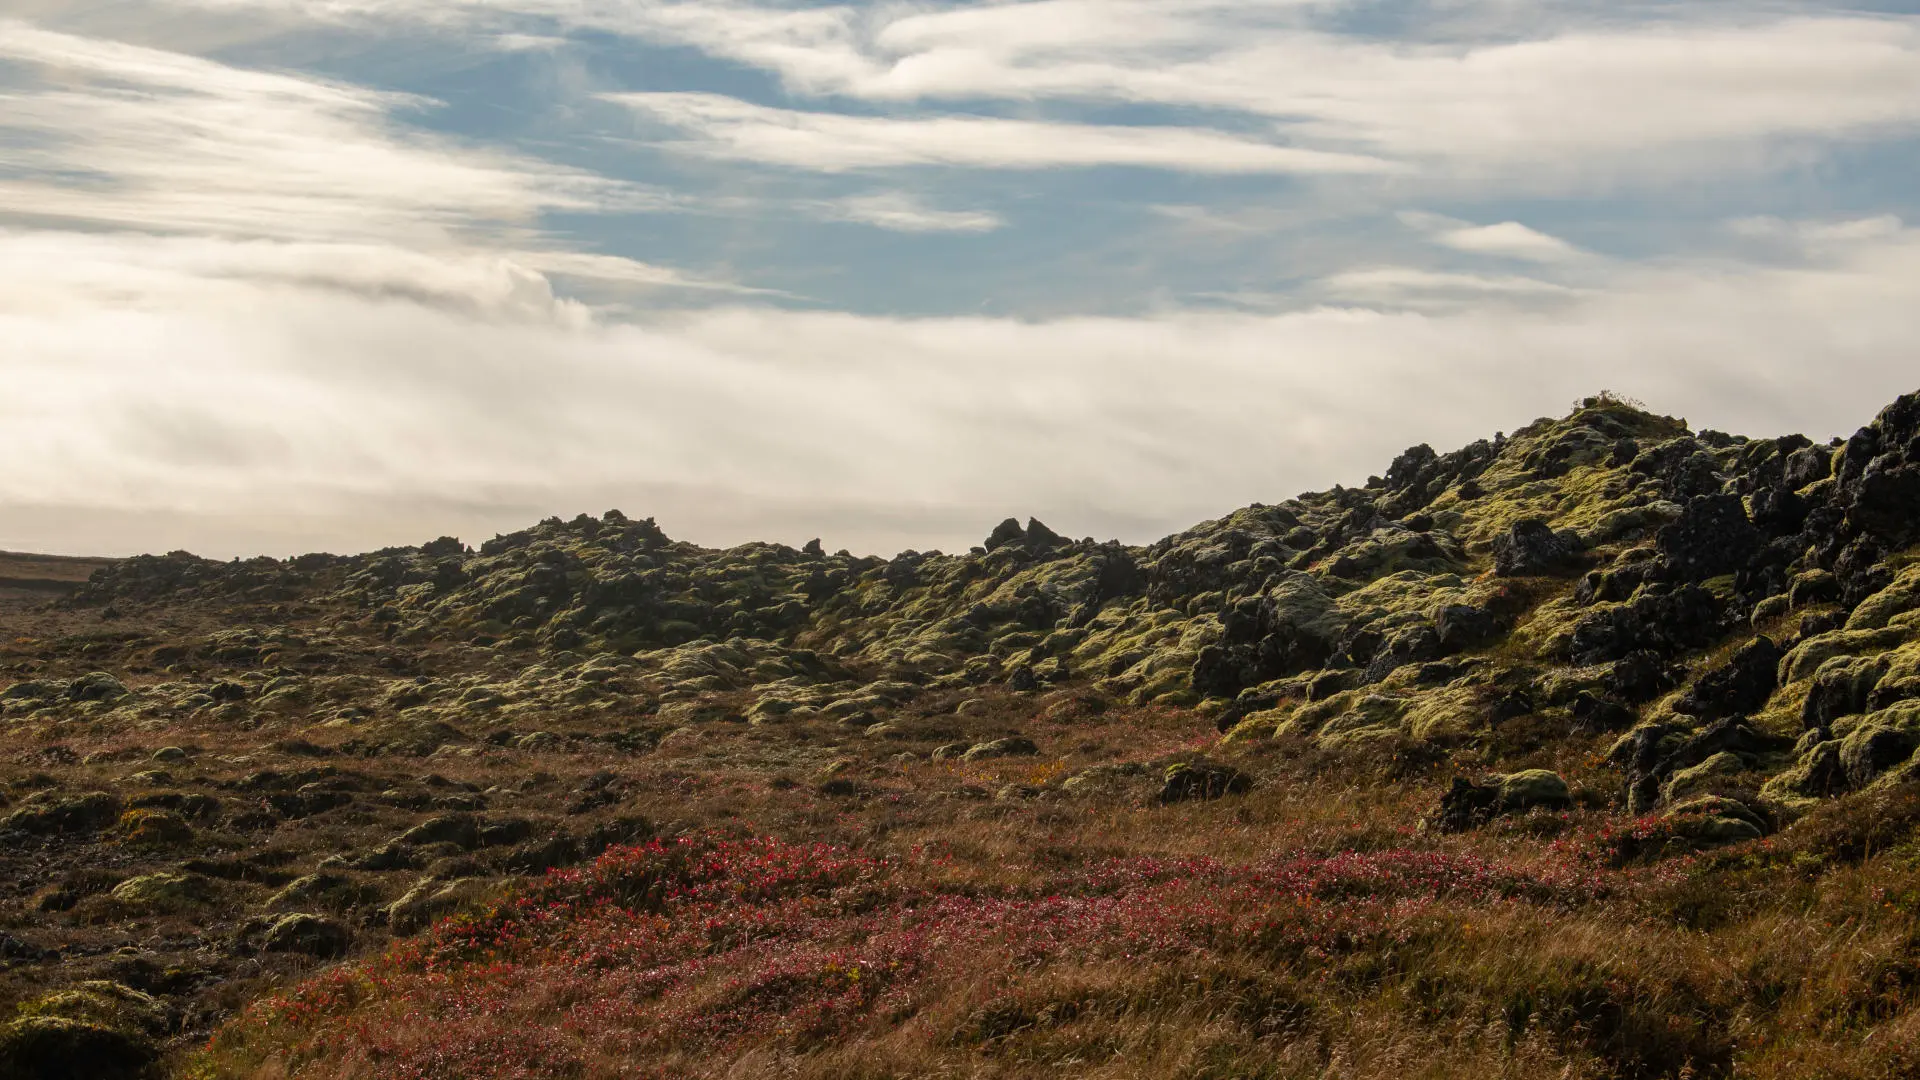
(368, 419)
(1507, 239)
(1819, 232)
(1569, 98)
(1632, 96)
(901, 211)
(223, 172)
(723, 127)
(1406, 286)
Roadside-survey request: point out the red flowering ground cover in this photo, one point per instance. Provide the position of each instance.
(655, 958)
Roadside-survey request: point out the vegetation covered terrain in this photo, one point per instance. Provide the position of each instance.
(1587, 751)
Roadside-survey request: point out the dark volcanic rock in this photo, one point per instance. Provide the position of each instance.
(1712, 537)
(1739, 687)
(1531, 547)
(1467, 805)
(1463, 626)
(1663, 621)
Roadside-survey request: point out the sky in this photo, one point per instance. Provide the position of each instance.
(291, 275)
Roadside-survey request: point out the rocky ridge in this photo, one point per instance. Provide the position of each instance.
(1587, 572)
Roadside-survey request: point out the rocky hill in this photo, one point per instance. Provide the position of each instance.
(1680, 647)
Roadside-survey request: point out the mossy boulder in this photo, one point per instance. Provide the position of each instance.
(1711, 821)
(154, 828)
(309, 935)
(1105, 779)
(1187, 781)
(1467, 805)
(1534, 787)
(96, 1030)
(1013, 746)
(1698, 778)
(31, 690)
(96, 686)
(99, 1001)
(461, 829)
(71, 815)
(163, 892)
(56, 1048)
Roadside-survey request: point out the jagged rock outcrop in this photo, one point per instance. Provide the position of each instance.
(1605, 571)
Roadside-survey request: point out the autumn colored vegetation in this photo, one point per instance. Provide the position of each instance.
(1557, 945)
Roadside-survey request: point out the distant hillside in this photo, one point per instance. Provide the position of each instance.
(45, 573)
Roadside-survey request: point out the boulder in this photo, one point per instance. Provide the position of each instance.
(1842, 686)
(1649, 755)
(31, 690)
(1808, 465)
(1739, 687)
(1531, 547)
(155, 828)
(72, 815)
(56, 1048)
(459, 829)
(1695, 778)
(1712, 537)
(100, 1001)
(1104, 779)
(1872, 749)
(1658, 620)
(540, 856)
(163, 891)
(1813, 587)
(1289, 629)
(393, 855)
(1710, 821)
(97, 686)
(1014, 746)
(308, 935)
(1202, 779)
(1533, 787)
(1463, 626)
(1007, 532)
(1467, 804)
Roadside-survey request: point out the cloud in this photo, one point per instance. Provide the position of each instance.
(240, 399)
(1564, 98)
(1818, 232)
(1412, 287)
(1507, 239)
(133, 163)
(1656, 97)
(728, 128)
(247, 310)
(901, 211)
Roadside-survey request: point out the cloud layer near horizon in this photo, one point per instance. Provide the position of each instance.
(1121, 264)
(242, 405)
